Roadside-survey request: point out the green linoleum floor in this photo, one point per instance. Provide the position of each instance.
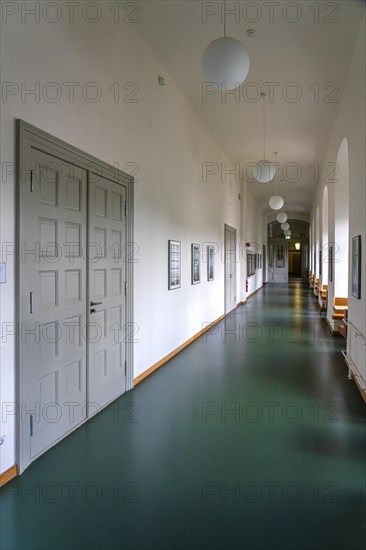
(249, 439)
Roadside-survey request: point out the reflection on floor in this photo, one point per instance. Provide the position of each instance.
(252, 437)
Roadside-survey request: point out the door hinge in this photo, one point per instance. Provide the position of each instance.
(125, 208)
(31, 424)
(125, 288)
(125, 368)
(31, 302)
(31, 182)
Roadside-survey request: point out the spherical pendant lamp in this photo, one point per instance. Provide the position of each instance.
(225, 61)
(285, 226)
(276, 202)
(287, 232)
(264, 171)
(281, 217)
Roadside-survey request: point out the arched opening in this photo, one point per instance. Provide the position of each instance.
(324, 256)
(316, 244)
(311, 250)
(288, 255)
(341, 223)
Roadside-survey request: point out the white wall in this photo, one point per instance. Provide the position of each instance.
(252, 232)
(350, 124)
(160, 133)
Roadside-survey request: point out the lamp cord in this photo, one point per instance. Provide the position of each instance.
(225, 19)
(264, 127)
(276, 179)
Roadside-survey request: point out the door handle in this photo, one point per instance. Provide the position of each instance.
(95, 304)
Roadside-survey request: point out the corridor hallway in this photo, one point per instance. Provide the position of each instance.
(253, 438)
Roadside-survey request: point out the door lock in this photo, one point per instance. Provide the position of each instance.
(93, 310)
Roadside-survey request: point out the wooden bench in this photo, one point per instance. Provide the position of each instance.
(316, 286)
(340, 305)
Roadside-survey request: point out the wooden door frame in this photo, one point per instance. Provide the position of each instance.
(31, 136)
(232, 230)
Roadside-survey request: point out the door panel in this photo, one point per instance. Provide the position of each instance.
(107, 301)
(53, 299)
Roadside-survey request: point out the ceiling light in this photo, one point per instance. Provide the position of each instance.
(276, 201)
(265, 170)
(225, 61)
(287, 232)
(285, 226)
(297, 246)
(281, 217)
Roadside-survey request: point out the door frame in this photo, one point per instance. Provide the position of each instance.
(29, 136)
(231, 230)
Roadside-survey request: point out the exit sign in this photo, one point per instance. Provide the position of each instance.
(287, 237)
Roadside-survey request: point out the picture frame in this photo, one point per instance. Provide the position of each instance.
(320, 263)
(330, 268)
(174, 264)
(210, 263)
(195, 264)
(356, 267)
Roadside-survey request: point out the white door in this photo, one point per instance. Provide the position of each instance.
(72, 308)
(53, 279)
(280, 263)
(107, 287)
(230, 268)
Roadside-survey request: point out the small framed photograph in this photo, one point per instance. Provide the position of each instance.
(210, 263)
(356, 266)
(195, 264)
(174, 265)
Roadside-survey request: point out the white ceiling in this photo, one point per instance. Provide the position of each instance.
(281, 52)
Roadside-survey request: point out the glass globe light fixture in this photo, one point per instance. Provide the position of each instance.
(276, 202)
(225, 62)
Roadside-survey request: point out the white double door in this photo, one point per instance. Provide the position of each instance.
(71, 299)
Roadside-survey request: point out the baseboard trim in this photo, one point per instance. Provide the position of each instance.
(167, 358)
(252, 294)
(8, 475)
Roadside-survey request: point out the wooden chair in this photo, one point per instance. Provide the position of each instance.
(324, 299)
(316, 286)
(324, 291)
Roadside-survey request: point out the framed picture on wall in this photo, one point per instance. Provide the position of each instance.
(330, 270)
(195, 264)
(356, 266)
(174, 265)
(320, 262)
(210, 263)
